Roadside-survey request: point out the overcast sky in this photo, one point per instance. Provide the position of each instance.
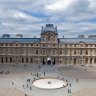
(72, 17)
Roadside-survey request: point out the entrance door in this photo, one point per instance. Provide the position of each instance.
(48, 61)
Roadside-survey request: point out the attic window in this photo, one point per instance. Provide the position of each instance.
(81, 45)
(90, 45)
(75, 45)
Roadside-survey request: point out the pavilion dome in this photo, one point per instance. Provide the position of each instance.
(49, 28)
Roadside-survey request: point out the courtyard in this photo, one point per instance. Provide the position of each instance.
(16, 80)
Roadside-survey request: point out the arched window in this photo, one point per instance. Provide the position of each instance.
(94, 60)
(22, 60)
(1, 59)
(10, 59)
(44, 61)
(6, 59)
(75, 60)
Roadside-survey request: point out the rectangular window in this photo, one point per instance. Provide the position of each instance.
(37, 52)
(26, 59)
(75, 60)
(75, 45)
(86, 60)
(43, 45)
(31, 60)
(22, 60)
(94, 60)
(43, 52)
(90, 60)
(80, 52)
(74, 52)
(86, 45)
(53, 52)
(60, 52)
(10, 59)
(86, 52)
(66, 51)
(65, 45)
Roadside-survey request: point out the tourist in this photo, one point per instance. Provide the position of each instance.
(37, 75)
(30, 88)
(23, 86)
(12, 83)
(77, 79)
(27, 85)
(66, 80)
(85, 69)
(28, 80)
(68, 90)
(70, 84)
(44, 73)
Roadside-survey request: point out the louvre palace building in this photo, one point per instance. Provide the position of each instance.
(48, 49)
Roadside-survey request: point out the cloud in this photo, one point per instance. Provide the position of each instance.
(26, 16)
(59, 5)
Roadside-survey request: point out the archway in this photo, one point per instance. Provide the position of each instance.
(53, 61)
(48, 61)
(44, 61)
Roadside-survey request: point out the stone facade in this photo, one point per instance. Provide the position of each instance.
(49, 49)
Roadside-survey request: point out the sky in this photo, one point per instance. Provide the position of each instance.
(72, 17)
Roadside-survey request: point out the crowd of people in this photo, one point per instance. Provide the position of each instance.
(35, 76)
(4, 72)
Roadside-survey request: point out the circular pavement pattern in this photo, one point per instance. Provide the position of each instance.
(49, 83)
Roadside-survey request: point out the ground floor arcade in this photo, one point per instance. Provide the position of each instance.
(50, 60)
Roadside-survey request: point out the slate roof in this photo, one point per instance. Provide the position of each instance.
(78, 40)
(20, 40)
(34, 40)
